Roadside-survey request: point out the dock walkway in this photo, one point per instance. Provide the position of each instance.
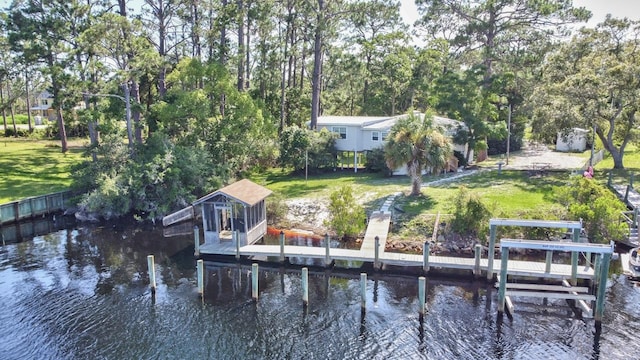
(633, 198)
(379, 226)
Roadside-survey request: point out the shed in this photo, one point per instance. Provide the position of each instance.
(237, 207)
(572, 140)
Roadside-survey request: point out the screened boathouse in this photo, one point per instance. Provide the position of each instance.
(240, 208)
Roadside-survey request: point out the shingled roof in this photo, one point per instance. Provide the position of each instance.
(244, 191)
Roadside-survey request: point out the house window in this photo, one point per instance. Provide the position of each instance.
(341, 130)
(375, 136)
(384, 135)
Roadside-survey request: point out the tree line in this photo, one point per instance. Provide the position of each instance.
(224, 79)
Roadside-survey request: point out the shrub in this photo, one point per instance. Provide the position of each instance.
(598, 208)
(276, 209)
(347, 216)
(470, 215)
(376, 162)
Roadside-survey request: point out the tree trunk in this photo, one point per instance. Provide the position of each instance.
(240, 20)
(11, 112)
(248, 49)
(26, 82)
(57, 108)
(317, 66)
(127, 115)
(4, 112)
(416, 178)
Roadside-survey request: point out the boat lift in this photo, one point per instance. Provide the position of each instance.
(603, 258)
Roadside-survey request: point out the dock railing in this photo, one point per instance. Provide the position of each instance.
(34, 206)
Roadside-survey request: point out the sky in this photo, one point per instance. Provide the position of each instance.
(599, 9)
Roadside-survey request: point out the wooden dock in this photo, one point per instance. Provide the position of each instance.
(631, 199)
(366, 254)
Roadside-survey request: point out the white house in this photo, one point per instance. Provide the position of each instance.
(43, 109)
(572, 140)
(359, 134)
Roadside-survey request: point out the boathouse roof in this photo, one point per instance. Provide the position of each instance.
(244, 191)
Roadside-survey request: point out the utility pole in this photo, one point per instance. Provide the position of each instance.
(508, 133)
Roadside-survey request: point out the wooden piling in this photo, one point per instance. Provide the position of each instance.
(602, 287)
(254, 282)
(503, 279)
(631, 180)
(327, 246)
(281, 246)
(548, 260)
(426, 249)
(491, 251)
(422, 281)
(305, 287)
(200, 270)
(363, 291)
(234, 237)
(574, 259)
(376, 251)
(478, 254)
(152, 272)
(196, 239)
(626, 194)
(609, 179)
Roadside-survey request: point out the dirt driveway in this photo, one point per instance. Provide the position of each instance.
(535, 156)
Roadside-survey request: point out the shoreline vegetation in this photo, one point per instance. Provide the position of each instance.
(303, 204)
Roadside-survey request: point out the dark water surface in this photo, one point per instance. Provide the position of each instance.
(82, 293)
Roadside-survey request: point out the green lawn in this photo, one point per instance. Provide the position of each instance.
(509, 193)
(35, 167)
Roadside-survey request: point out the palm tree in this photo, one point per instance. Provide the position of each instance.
(414, 142)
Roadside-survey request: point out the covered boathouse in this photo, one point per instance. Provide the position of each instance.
(240, 208)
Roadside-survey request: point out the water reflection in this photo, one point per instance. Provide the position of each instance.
(82, 292)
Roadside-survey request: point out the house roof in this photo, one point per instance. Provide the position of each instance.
(244, 191)
(381, 125)
(351, 120)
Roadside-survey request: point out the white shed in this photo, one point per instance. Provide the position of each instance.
(572, 140)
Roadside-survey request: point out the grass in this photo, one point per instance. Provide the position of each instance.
(509, 193)
(35, 167)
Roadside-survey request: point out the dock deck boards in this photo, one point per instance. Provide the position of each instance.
(379, 226)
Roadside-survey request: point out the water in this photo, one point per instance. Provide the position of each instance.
(82, 293)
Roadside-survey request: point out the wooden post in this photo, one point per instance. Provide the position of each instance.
(254, 282)
(152, 272)
(234, 237)
(281, 246)
(626, 195)
(631, 180)
(492, 245)
(421, 294)
(363, 291)
(16, 211)
(425, 256)
(305, 286)
(327, 246)
(635, 217)
(596, 270)
(609, 179)
(602, 287)
(549, 258)
(196, 239)
(376, 252)
(502, 289)
(478, 254)
(574, 259)
(200, 267)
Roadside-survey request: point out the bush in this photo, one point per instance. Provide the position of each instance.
(276, 209)
(470, 215)
(598, 208)
(462, 160)
(347, 217)
(376, 162)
